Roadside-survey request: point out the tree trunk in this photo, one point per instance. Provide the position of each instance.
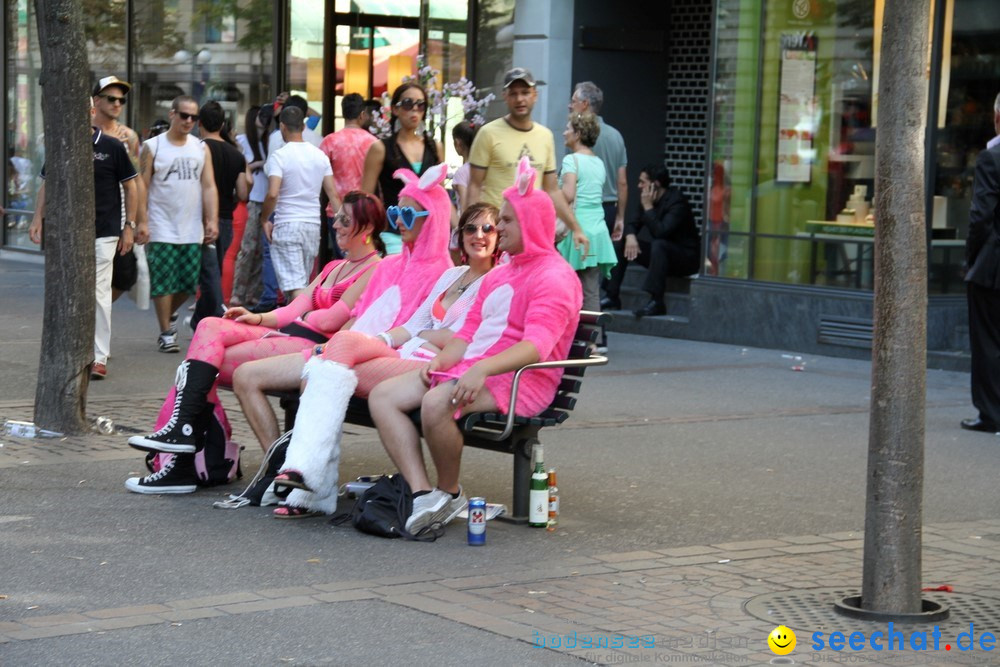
(891, 580)
(68, 326)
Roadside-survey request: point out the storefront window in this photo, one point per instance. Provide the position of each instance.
(969, 87)
(305, 54)
(25, 131)
(211, 50)
(793, 151)
(735, 108)
(447, 31)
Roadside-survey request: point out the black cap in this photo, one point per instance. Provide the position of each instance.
(518, 74)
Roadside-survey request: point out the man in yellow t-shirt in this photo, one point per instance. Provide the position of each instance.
(500, 145)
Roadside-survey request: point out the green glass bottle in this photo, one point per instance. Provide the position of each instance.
(538, 497)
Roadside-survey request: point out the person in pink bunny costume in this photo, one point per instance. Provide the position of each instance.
(527, 310)
(398, 286)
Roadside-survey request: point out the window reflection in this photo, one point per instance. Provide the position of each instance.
(25, 131)
(212, 50)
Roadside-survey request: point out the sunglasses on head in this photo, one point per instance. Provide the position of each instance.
(408, 104)
(188, 116)
(471, 228)
(114, 98)
(406, 215)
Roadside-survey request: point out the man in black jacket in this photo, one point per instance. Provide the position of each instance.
(982, 256)
(664, 239)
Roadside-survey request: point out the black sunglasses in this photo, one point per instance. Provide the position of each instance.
(188, 116)
(471, 228)
(114, 98)
(408, 104)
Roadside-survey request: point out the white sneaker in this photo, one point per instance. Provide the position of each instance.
(424, 507)
(435, 507)
(168, 342)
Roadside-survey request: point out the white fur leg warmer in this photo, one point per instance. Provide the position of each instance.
(314, 449)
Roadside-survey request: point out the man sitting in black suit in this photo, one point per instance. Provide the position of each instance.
(664, 239)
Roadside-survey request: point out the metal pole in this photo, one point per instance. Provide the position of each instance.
(892, 548)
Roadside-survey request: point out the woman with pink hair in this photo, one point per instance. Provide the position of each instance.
(527, 311)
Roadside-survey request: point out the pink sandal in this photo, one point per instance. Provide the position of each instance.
(290, 512)
(288, 480)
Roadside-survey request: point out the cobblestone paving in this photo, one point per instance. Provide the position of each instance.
(655, 606)
(660, 605)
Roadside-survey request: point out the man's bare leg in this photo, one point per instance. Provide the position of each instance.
(252, 379)
(165, 306)
(390, 403)
(444, 440)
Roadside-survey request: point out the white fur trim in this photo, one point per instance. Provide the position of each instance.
(315, 447)
(525, 179)
(433, 176)
(495, 320)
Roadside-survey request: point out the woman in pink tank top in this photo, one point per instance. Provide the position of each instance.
(221, 344)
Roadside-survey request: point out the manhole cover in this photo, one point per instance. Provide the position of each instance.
(812, 610)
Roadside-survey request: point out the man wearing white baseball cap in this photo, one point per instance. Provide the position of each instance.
(114, 176)
(110, 97)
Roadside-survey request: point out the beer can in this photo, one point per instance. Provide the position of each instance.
(477, 521)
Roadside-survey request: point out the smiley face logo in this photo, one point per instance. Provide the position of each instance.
(781, 640)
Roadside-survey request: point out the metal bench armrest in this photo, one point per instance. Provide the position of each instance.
(493, 434)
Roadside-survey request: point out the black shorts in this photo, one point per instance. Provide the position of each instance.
(125, 271)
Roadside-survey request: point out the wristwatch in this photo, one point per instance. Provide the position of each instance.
(130, 224)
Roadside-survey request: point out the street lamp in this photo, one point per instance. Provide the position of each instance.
(200, 59)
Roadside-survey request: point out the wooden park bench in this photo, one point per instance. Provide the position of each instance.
(497, 432)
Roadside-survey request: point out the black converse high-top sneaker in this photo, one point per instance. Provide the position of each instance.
(176, 475)
(180, 434)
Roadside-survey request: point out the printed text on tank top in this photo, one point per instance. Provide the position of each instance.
(184, 168)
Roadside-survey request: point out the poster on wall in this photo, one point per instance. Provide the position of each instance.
(797, 109)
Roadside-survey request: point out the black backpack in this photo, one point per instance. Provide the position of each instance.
(383, 509)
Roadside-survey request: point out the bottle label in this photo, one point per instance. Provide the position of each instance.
(553, 504)
(539, 510)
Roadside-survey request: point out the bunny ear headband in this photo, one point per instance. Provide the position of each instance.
(433, 176)
(525, 180)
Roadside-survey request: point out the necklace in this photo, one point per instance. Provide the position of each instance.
(353, 269)
(461, 288)
(361, 259)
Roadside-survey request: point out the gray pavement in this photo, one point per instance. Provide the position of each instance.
(693, 478)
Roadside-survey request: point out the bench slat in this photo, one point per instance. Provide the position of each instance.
(564, 402)
(570, 386)
(586, 334)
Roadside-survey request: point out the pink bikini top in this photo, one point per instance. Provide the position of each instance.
(325, 297)
(438, 310)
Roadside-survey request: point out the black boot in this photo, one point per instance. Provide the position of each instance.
(180, 434)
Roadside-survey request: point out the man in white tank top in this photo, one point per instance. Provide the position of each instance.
(182, 211)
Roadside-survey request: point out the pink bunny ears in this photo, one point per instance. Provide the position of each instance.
(525, 179)
(433, 176)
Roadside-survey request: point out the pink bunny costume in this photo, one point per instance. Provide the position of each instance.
(401, 282)
(536, 297)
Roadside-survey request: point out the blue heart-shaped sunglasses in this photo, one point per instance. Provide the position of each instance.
(407, 215)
